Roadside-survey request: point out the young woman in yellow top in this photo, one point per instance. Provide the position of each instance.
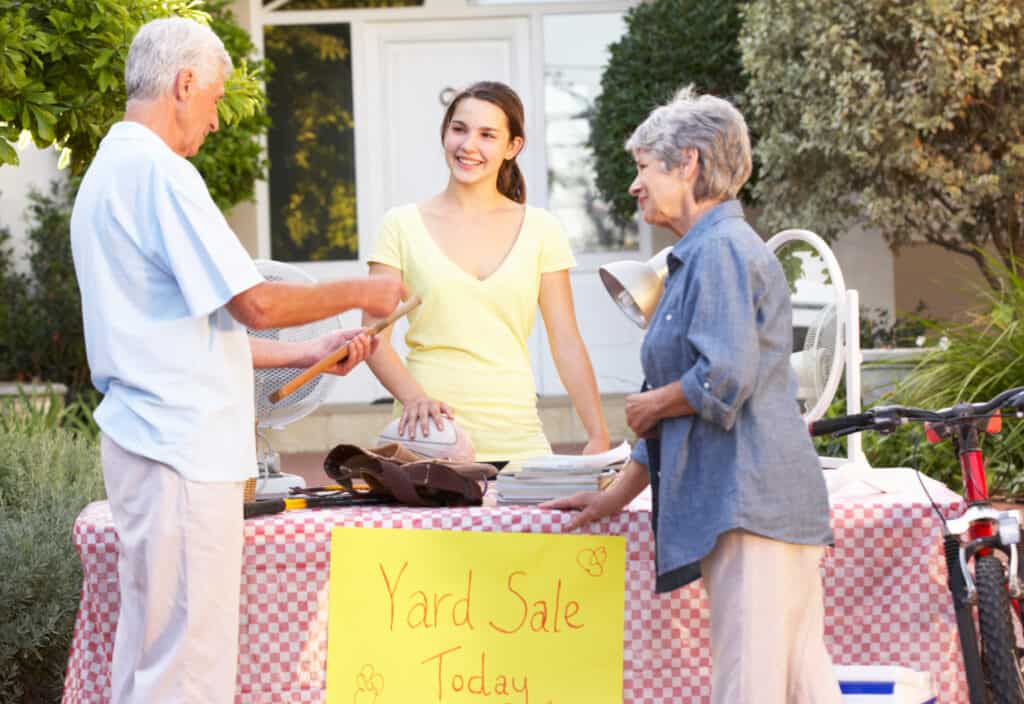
(482, 261)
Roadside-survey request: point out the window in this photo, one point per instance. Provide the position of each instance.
(311, 143)
(575, 53)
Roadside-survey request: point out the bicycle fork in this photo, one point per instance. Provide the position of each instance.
(987, 529)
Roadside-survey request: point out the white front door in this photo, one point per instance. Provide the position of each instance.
(412, 69)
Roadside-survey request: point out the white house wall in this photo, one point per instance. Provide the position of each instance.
(868, 267)
(37, 169)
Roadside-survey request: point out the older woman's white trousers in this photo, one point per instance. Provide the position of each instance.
(767, 623)
(179, 569)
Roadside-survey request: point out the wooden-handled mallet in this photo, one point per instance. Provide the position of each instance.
(341, 353)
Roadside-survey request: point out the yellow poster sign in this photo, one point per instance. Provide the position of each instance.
(451, 617)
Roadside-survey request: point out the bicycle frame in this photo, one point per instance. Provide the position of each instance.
(986, 529)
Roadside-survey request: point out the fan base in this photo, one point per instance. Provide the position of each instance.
(278, 485)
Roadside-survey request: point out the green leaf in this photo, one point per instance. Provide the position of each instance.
(8, 154)
(103, 59)
(1002, 314)
(44, 122)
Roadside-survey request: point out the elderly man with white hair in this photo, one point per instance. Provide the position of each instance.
(167, 293)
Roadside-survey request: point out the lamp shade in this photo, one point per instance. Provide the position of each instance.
(637, 286)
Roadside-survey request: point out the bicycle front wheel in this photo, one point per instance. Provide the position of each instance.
(998, 642)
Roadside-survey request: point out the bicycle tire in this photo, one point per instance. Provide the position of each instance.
(998, 642)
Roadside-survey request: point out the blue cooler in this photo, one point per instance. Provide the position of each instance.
(870, 684)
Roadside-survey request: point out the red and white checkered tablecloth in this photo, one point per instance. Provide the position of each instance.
(885, 597)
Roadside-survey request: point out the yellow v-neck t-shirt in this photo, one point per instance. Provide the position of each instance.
(468, 340)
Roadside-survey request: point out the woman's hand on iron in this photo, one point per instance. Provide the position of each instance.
(360, 346)
(592, 506)
(420, 412)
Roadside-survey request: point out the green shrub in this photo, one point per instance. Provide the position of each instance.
(877, 330)
(984, 356)
(41, 333)
(46, 478)
(35, 414)
(62, 79)
(904, 116)
(668, 44)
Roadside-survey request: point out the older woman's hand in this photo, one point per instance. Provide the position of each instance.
(592, 505)
(645, 409)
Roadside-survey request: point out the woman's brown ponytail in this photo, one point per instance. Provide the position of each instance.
(511, 182)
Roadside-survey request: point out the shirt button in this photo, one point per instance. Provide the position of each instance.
(707, 385)
(668, 316)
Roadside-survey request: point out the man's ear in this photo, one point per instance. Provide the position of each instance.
(184, 83)
(514, 147)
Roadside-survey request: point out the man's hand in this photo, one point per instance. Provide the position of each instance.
(382, 294)
(360, 346)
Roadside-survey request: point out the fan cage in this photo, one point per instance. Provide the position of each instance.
(842, 312)
(308, 397)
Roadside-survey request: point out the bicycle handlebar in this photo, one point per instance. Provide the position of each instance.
(834, 425)
(886, 418)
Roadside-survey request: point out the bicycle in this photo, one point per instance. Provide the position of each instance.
(992, 662)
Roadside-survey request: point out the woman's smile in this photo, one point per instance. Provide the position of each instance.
(467, 162)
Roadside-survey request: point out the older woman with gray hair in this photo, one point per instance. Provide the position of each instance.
(739, 497)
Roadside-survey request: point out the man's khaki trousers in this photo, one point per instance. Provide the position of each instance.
(767, 623)
(179, 569)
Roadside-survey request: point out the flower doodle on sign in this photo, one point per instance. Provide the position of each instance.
(369, 685)
(592, 561)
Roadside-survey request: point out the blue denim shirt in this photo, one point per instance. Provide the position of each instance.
(723, 331)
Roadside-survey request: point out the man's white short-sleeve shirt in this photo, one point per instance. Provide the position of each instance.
(156, 262)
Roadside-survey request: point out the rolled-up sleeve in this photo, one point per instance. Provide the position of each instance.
(724, 291)
(639, 453)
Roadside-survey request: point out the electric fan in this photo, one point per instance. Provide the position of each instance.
(271, 481)
(813, 365)
(828, 312)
